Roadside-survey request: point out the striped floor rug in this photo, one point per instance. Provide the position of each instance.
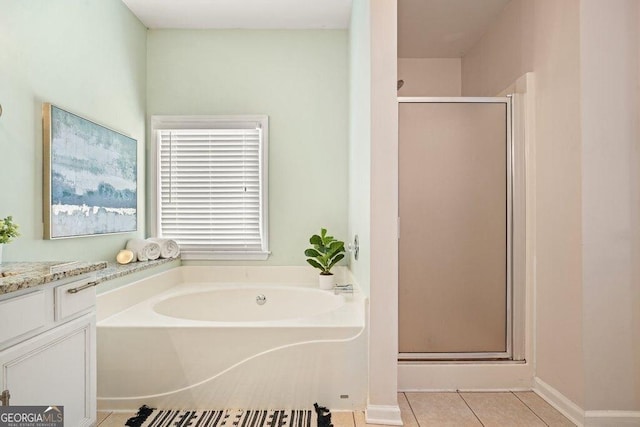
(149, 417)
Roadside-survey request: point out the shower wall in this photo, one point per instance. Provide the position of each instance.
(430, 76)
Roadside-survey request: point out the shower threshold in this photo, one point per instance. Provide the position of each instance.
(462, 357)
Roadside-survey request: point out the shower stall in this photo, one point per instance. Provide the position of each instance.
(456, 186)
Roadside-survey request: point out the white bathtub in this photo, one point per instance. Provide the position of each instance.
(240, 303)
(193, 337)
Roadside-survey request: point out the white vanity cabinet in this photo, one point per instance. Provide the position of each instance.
(47, 348)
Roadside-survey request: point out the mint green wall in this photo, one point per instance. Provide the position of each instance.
(85, 56)
(360, 138)
(94, 58)
(299, 78)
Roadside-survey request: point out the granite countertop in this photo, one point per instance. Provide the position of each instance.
(115, 270)
(22, 275)
(15, 276)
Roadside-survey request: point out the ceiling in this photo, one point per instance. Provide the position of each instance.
(443, 28)
(254, 14)
(426, 28)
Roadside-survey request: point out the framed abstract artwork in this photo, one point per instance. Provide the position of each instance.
(90, 177)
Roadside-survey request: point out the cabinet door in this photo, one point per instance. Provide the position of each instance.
(55, 368)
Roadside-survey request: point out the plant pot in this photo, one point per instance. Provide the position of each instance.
(327, 281)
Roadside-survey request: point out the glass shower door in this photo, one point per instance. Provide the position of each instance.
(455, 219)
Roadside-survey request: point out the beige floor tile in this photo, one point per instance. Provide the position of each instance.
(101, 416)
(501, 409)
(408, 419)
(342, 419)
(441, 409)
(548, 413)
(117, 419)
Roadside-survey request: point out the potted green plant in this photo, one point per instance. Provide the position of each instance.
(8, 231)
(325, 253)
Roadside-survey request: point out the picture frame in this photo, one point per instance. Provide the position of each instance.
(90, 182)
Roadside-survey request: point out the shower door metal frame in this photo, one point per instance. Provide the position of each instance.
(509, 160)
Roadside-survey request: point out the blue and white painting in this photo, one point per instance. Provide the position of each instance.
(93, 178)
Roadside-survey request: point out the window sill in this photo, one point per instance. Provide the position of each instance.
(229, 256)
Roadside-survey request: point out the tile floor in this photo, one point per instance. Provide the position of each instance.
(443, 409)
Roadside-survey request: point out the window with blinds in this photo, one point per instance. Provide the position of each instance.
(212, 186)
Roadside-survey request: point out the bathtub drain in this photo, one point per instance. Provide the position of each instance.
(261, 299)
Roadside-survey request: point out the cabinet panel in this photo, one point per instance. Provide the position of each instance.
(22, 314)
(69, 303)
(55, 368)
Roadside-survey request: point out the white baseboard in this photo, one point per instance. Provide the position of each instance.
(611, 418)
(581, 417)
(559, 401)
(383, 414)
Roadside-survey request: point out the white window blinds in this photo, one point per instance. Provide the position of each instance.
(211, 189)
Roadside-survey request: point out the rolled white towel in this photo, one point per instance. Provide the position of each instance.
(168, 248)
(144, 250)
